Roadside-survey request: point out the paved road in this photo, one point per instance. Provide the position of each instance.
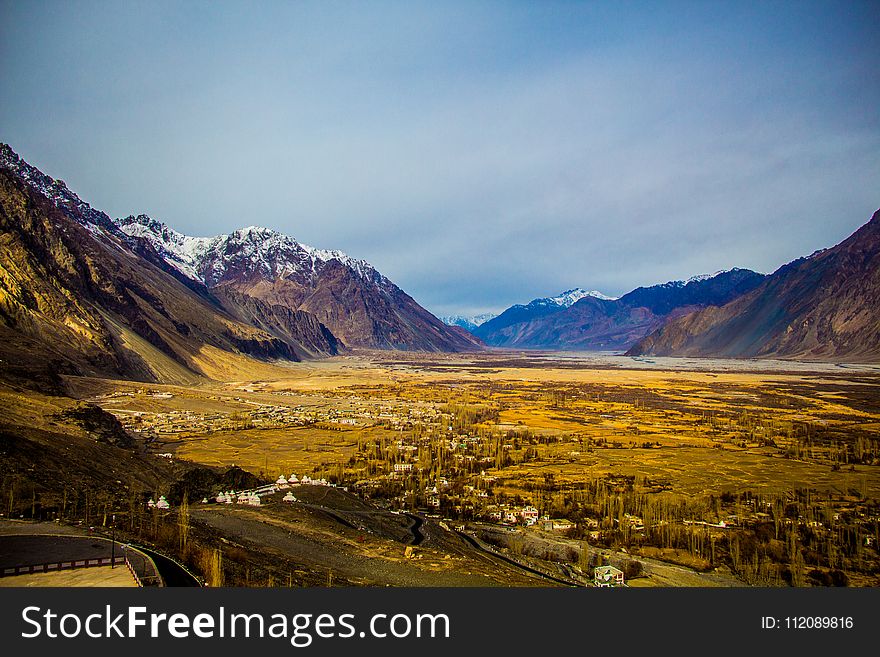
(483, 548)
(416, 528)
(36, 549)
(173, 574)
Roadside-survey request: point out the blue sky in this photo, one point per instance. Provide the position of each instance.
(477, 153)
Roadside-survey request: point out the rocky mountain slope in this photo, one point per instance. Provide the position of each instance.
(75, 298)
(359, 305)
(823, 307)
(83, 293)
(596, 321)
(492, 329)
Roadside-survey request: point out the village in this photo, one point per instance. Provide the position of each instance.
(472, 465)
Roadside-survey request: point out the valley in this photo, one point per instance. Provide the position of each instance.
(679, 471)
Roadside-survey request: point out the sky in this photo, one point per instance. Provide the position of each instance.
(479, 154)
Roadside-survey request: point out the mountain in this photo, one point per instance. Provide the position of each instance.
(77, 298)
(822, 307)
(491, 330)
(467, 322)
(703, 290)
(595, 321)
(83, 294)
(360, 306)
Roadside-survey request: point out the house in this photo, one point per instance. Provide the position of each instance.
(556, 525)
(604, 576)
(402, 467)
(529, 514)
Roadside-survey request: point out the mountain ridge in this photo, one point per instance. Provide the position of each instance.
(822, 306)
(359, 305)
(596, 321)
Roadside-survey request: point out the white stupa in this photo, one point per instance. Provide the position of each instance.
(281, 481)
(289, 498)
(151, 503)
(162, 503)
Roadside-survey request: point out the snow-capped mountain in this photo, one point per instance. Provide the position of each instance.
(356, 302)
(263, 277)
(253, 250)
(699, 278)
(570, 297)
(79, 296)
(490, 330)
(592, 320)
(467, 322)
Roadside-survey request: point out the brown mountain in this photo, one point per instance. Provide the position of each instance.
(594, 322)
(825, 307)
(308, 337)
(359, 305)
(75, 297)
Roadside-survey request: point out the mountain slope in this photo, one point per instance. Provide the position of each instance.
(496, 331)
(467, 322)
(821, 307)
(76, 298)
(599, 322)
(359, 305)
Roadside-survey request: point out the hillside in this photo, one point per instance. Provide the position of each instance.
(595, 321)
(821, 307)
(360, 306)
(75, 298)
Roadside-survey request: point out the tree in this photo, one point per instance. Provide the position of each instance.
(183, 523)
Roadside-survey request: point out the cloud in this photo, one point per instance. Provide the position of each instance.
(477, 154)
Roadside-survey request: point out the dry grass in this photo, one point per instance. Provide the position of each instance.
(703, 425)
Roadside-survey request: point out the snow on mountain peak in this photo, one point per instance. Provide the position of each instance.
(570, 297)
(469, 322)
(705, 277)
(57, 192)
(254, 249)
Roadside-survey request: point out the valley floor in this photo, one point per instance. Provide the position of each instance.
(705, 472)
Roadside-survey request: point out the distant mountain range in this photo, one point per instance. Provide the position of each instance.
(83, 293)
(825, 306)
(591, 320)
(467, 322)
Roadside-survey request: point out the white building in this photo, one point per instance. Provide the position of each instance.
(529, 514)
(606, 576)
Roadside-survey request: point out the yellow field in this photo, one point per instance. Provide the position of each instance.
(694, 430)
